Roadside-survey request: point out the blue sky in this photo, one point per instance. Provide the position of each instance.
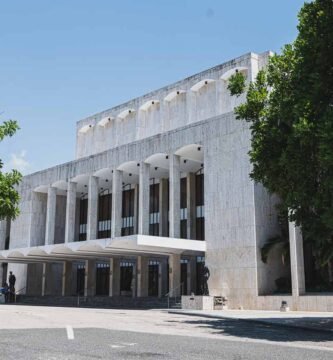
(63, 60)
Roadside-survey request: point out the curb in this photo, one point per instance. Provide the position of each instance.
(258, 321)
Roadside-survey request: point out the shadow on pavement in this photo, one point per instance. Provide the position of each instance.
(264, 331)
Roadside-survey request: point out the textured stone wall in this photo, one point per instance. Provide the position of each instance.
(187, 107)
(266, 227)
(230, 213)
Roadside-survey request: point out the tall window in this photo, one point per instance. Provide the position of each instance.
(104, 214)
(183, 209)
(128, 211)
(83, 218)
(154, 214)
(200, 207)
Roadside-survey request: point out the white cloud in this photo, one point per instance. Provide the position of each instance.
(18, 162)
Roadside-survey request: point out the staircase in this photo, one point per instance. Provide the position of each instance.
(117, 302)
(175, 303)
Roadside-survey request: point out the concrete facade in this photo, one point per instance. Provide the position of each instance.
(178, 132)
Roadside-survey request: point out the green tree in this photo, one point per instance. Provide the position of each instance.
(9, 197)
(290, 110)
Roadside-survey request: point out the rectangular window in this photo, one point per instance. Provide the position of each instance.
(154, 214)
(183, 208)
(104, 215)
(200, 206)
(128, 212)
(83, 219)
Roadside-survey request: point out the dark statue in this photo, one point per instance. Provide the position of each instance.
(205, 277)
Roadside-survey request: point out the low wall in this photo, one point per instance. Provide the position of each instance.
(321, 303)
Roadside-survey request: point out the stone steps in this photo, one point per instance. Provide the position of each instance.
(99, 302)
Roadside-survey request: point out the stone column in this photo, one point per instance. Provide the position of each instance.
(116, 277)
(144, 187)
(165, 276)
(160, 279)
(142, 276)
(136, 208)
(191, 206)
(135, 266)
(67, 278)
(70, 212)
(117, 202)
(90, 278)
(92, 208)
(296, 260)
(111, 277)
(174, 196)
(50, 215)
(163, 207)
(47, 279)
(174, 275)
(3, 234)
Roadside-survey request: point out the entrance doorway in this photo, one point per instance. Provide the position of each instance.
(153, 277)
(4, 273)
(126, 278)
(102, 279)
(80, 274)
(200, 277)
(183, 275)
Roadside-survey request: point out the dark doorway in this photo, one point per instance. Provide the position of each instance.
(80, 279)
(126, 278)
(200, 277)
(102, 279)
(4, 273)
(183, 276)
(153, 268)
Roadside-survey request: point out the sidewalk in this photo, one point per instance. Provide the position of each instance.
(296, 319)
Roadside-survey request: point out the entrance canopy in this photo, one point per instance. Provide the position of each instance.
(104, 248)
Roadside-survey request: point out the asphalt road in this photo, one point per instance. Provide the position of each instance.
(233, 339)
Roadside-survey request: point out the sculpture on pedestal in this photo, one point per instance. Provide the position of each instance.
(205, 277)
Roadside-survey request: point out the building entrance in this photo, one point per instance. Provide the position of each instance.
(4, 273)
(153, 272)
(126, 278)
(102, 279)
(183, 272)
(200, 277)
(80, 279)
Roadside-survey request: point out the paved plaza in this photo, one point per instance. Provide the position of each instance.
(32, 332)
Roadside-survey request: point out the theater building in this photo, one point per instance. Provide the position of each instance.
(159, 185)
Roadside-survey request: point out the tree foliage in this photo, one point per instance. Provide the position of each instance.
(9, 197)
(290, 110)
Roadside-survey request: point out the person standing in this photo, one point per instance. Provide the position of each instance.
(12, 281)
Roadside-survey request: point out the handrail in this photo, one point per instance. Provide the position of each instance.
(172, 292)
(18, 292)
(83, 296)
(175, 288)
